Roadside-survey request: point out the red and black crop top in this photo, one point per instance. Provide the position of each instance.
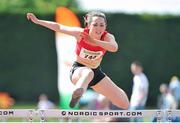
(88, 51)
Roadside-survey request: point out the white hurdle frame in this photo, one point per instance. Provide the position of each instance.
(57, 113)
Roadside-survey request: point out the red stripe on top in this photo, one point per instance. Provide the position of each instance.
(83, 44)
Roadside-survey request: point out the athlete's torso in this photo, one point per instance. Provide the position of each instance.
(89, 54)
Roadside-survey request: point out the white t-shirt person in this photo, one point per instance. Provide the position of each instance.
(140, 86)
(140, 90)
(44, 103)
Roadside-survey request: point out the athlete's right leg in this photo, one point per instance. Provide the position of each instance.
(81, 78)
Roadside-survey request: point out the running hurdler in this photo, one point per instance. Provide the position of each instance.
(92, 43)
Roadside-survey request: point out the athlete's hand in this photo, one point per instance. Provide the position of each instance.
(32, 17)
(87, 37)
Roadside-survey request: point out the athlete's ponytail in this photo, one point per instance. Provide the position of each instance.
(85, 20)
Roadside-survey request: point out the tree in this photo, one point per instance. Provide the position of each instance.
(38, 6)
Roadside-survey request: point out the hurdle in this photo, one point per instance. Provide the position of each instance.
(30, 114)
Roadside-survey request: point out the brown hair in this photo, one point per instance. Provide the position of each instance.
(88, 17)
(137, 63)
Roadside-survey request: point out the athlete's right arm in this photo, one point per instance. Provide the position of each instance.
(73, 31)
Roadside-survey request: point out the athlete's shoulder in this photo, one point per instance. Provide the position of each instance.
(109, 36)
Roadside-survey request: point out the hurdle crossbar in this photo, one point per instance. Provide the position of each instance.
(56, 113)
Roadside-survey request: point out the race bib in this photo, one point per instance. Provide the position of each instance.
(90, 55)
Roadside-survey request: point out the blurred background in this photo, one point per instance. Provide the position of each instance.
(146, 30)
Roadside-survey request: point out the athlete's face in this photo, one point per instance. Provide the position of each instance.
(97, 27)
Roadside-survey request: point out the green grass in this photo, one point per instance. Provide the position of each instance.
(24, 106)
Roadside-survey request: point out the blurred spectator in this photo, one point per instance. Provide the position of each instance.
(6, 101)
(174, 87)
(140, 89)
(170, 102)
(117, 119)
(94, 101)
(88, 100)
(102, 103)
(45, 103)
(162, 97)
(166, 101)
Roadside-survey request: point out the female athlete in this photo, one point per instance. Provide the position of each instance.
(92, 43)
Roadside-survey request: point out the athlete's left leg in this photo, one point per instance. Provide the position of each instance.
(110, 90)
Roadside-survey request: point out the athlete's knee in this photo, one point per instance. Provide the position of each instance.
(126, 105)
(88, 73)
(75, 79)
(123, 104)
(123, 101)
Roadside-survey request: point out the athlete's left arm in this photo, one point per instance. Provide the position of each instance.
(109, 43)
